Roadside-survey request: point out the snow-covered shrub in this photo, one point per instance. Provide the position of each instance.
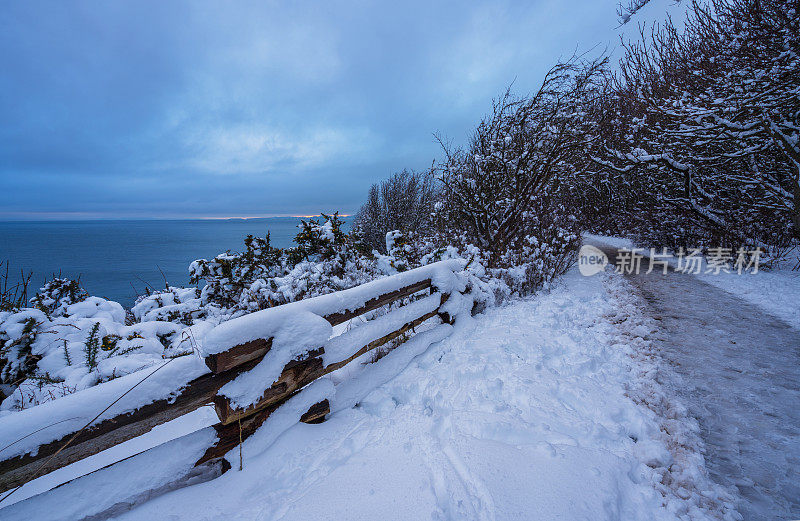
(696, 140)
(410, 250)
(539, 257)
(318, 241)
(179, 305)
(54, 297)
(18, 332)
(20, 328)
(71, 341)
(407, 250)
(228, 274)
(324, 260)
(508, 192)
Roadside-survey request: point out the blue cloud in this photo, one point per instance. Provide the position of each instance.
(199, 108)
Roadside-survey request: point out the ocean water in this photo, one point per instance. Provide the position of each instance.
(119, 259)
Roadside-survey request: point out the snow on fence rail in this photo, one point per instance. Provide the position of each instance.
(252, 365)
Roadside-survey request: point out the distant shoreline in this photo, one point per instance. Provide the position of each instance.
(118, 258)
(137, 219)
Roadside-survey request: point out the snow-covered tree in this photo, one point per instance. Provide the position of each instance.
(519, 164)
(704, 133)
(402, 202)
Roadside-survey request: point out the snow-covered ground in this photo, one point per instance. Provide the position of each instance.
(776, 291)
(545, 408)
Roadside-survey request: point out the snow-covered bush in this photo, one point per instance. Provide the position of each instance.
(18, 332)
(228, 274)
(20, 329)
(70, 341)
(318, 241)
(54, 297)
(488, 286)
(323, 260)
(179, 305)
(508, 192)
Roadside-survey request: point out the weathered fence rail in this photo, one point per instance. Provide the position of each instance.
(236, 424)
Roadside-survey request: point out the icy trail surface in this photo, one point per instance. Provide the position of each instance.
(521, 413)
(737, 369)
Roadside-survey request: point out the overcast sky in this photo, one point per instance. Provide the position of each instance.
(211, 109)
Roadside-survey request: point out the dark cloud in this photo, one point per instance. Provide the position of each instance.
(198, 108)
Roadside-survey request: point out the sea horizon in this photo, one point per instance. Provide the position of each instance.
(175, 218)
(119, 259)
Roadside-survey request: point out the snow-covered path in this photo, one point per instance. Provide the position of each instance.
(523, 413)
(546, 408)
(737, 369)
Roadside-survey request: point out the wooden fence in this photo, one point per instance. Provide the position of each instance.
(236, 424)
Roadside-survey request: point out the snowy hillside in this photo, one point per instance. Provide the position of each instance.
(543, 406)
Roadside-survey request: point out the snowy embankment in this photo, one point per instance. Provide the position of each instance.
(546, 407)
